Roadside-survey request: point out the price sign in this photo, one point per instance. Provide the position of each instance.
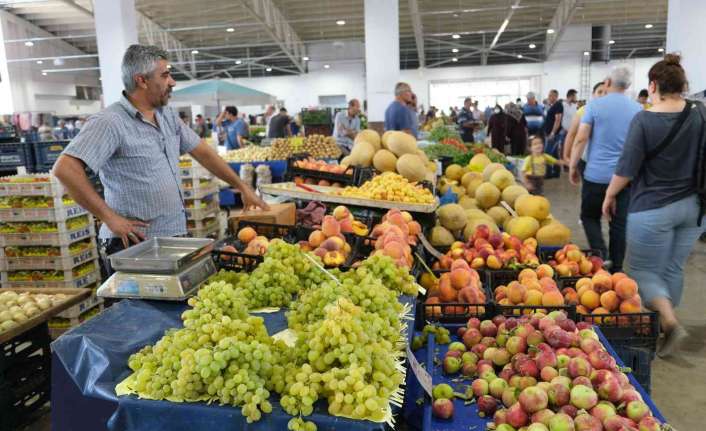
(422, 375)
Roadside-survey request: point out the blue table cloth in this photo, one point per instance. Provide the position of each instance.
(91, 359)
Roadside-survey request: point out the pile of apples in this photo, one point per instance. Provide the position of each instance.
(541, 373)
(492, 250)
(394, 236)
(534, 287)
(604, 293)
(570, 261)
(461, 285)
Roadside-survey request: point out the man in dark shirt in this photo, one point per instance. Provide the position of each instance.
(465, 121)
(279, 125)
(552, 129)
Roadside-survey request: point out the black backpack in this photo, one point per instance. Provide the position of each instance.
(700, 174)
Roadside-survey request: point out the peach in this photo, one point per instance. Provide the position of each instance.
(570, 295)
(516, 293)
(574, 255)
(478, 263)
(533, 297)
(333, 243)
(609, 300)
(330, 226)
(341, 213)
(447, 293)
(585, 288)
(616, 277)
(527, 272)
(563, 270)
(445, 280)
(395, 250)
(600, 320)
(544, 270)
(582, 309)
(585, 267)
(585, 281)
(246, 234)
(533, 285)
(602, 282)
(460, 278)
(631, 305)
(494, 262)
(547, 283)
(626, 288)
(552, 299)
(333, 258)
(414, 228)
(590, 299)
(573, 268)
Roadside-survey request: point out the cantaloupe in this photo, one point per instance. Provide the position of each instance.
(553, 235)
(370, 136)
(487, 195)
(385, 137)
(491, 169)
(422, 155)
(454, 172)
(467, 202)
(472, 186)
(440, 236)
(533, 206)
(523, 227)
(362, 154)
(512, 192)
(401, 143)
(452, 216)
(470, 176)
(498, 214)
(411, 167)
(475, 213)
(479, 162)
(385, 161)
(502, 179)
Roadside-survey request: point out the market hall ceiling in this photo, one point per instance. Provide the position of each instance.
(231, 38)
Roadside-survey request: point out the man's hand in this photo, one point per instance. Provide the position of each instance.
(609, 204)
(252, 200)
(127, 230)
(574, 176)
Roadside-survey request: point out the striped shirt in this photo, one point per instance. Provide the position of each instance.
(138, 164)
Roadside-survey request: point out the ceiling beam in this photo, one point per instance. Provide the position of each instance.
(418, 31)
(504, 24)
(275, 25)
(565, 11)
(448, 60)
(243, 65)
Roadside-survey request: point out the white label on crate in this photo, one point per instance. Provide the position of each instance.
(79, 234)
(430, 248)
(422, 375)
(74, 211)
(83, 256)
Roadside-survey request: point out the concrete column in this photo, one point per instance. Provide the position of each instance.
(7, 106)
(382, 56)
(684, 22)
(116, 29)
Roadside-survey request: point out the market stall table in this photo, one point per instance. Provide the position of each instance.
(90, 360)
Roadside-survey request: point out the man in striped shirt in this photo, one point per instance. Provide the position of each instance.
(135, 146)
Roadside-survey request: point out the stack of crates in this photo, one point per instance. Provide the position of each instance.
(200, 190)
(47, 239)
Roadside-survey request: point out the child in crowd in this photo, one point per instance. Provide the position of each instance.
(535, 166)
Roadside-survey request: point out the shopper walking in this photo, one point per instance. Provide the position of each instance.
(508, 130)
(534, 114)
(570, 107)
(414, 117)
(643, 99)
(135, 145)
(397, 116)
(347, 125)
(234, 127)
(200, 127)
(662, 159)
(598, 91)
(279, 125)
(605, 122)
(465, 120)
(553, 130)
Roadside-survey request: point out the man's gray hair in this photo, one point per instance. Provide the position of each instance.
(401, 87)
(620, 77)
(140, 60)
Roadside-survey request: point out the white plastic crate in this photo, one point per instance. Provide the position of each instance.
(195, 171)
(81, 307)
(205, 230)
(211, 210)
(199, 191)
(69, 280)
(41, 214)
(63, 236)
(45, 188)
(66, 261)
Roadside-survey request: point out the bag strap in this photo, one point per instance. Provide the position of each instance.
(672, 132)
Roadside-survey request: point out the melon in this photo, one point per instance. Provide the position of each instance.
(498, 214)
(440, 236)
(385, 137)
(553, 235)
(491, 169)
(478, 162)
(487, 195)
(470, 176)
(401, 143)
(422, 155)
(523, 227)
(473, 186)
(511, 193)
(502, 179)
(452, 216)
(547, 221)
(362, 154)
(472, 225)
(411, 167)
(385, 161)
(370, 136)
(458, 190)
(475, 213)
(467, 202)
(533, 206)
(454, 172)
(431, 167)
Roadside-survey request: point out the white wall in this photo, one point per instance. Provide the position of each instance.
(684, 35)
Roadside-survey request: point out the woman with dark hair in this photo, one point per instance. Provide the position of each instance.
(508, 127)
(660, 159)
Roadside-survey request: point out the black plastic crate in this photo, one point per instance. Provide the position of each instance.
(345, 179)
(519, 310)
(634, 330)
(18, 404)
(639, 361)
(33, 342)
(269, 230)
(456, 312)
(47, 152)
(546, 255)
(238, 262)
(501, 277)
(15, 154)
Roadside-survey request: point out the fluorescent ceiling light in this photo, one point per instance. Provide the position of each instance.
(341, 22)
(456, 36)
(455, 50)
(550, 31)
(648, 26)
(455, 15)
(269, 69)
(327, 66)
(454, 59)
(660, 49)
(305, 58)
(29, 43)
(532, 46)
(519, 55)
(611, 42)
(238, 61)
(586, 53)
(230, 29)
(195, 51)
(39, 62)
(44, 73)
(502, 28)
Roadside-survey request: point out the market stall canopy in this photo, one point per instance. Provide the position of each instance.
(217, 92)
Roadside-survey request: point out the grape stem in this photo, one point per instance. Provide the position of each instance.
(333, 277)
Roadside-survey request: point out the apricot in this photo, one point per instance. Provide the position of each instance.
(626, 288)
(534, 297)
(631, 305)
(516, 292)
(460, 278)
(617, 277)
(585, 267)
(583, 289)
(602, 320)
(527, 272)
(563, 270)
(493, 262)
(330, 226)
(610, 300)
(602, 282)
(447, 293)
(544, 270)
(574, 255)
(590, 299)
(246, 234)
(552, 299)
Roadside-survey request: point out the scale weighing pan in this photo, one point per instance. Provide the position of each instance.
(161, 255)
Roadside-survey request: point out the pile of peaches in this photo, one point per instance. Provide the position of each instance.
(394, 236)
(320, 166)
(535, 287)
(460, 285)
(604, 293)
(570, 261)
(492, 250)
(329, 243)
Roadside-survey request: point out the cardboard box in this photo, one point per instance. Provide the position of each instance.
(278, 214)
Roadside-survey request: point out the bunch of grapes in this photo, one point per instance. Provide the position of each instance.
(292, 256)
(299, 424)
(393, 276)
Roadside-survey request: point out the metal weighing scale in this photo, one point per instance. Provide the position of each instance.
(169, 269)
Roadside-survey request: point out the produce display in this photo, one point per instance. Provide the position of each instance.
(7, 202)
(541, 373)
(461, 286)
(393, 152)
(251, 153)
(394, 235)
(322, 166)
(570, 261)
(533, 287)
(492, 250)
(436, 151)
(42, 227)
(440, 133)
(389, 186)
(480, 152)
(49, 275)
(316, 146)
(189, 183)
(604, 293)
(46, 251)
(313, 215)
(17, 308)
(348, 349)
(329, 243)
(35, 178)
